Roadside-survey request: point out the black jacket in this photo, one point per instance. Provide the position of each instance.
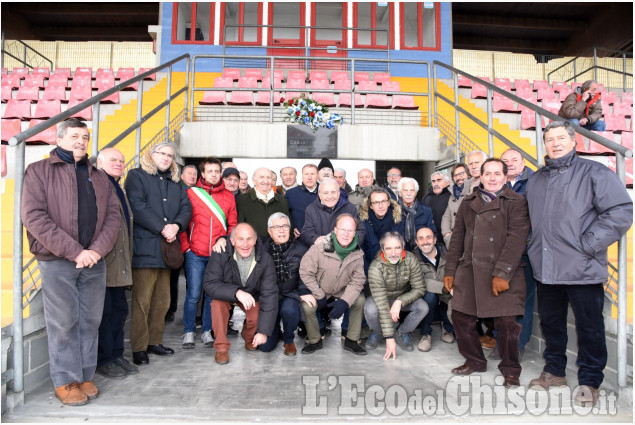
(438, 204)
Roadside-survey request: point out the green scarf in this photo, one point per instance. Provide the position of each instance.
(341, 251)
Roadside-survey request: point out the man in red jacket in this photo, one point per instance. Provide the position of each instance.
(213, 216)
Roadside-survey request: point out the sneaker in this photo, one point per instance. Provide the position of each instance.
(206, 338)
(547, 380)
(125, 365)
(372, 342)
(71, 395)
(311, 348)
(112, 370)
(354, 347)
(446, 336)
(586, 396)
(188, 340)
(403, 340)
(425, 344)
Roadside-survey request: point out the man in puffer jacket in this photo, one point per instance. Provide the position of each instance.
(396, 285)
(583, 107)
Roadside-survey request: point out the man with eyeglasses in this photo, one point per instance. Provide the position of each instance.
(459, 176)
(332, 272)
(392, 183)
(286, 254)
(161, 209)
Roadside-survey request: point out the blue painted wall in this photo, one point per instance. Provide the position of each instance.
(170, 51)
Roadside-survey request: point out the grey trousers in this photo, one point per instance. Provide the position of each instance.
(354, 323)
(73, 304)
(417, 309)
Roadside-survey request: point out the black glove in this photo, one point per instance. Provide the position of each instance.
(338, 309)
(321, 303)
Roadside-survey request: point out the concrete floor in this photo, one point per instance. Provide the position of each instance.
(330, 385)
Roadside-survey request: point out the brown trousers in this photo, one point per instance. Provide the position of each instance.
(220, 320)
(150, 303)
(470, 345)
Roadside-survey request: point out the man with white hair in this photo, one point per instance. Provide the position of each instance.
(340, 175)
(415, 214)
(255, 206)
(437, 199)
(393, 176)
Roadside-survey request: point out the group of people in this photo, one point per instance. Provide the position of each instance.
(298, 255)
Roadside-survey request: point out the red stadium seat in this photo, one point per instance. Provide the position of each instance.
(48, 136)
(623, 108)
(596, 148)
(320, 85)
(558, 85)
(80, 92)
(58, 80)
(525, 92)
(264, 97)
(151, 77)
(564, 92)
(104, 71)
(125, 74)
(627, 140)
(33, 81)
(232, 73)
(339, 76)
(105, 81)
(546, 93)
(629, 169)
(55, 93)
(503, 104)
(20, 109)
(528, 120)
(295, 84)
(63, 71)
(296, 75)
(217, 97)
(278, 74)
(327, 99)
(12, 81)
(464, 82)
(21, 72)
(580, 147)
(362, 76)
(403, 102)
(83, 72)
(518, 83)
(378, 101)
(503, 83)
(32, 94)
(241, 98)
(82, 80)
(381, 77)
(530, 99)
(391, 86)
(318, 76)
(479, 91)
(367, 86)
(85, 114)
(552, 105)
(538, 84)
(7, 93)
(277, 84)
(627, 97)
(41, 71)
(345, 98)
(113, 98)
(46, 109)
(609, 97)
(252, 73)
(10, 127)
(615, 123)
(247, 83)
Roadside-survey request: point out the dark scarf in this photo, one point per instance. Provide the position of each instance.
(340, 250)
(410, 213)
(488, 197)
(456, 190)
(277, 251)
(381, 225)
(122, 199)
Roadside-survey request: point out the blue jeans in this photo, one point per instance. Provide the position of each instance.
(436, 313)
(194, 270)
(289, 313)
(587, 302)
(599, 125)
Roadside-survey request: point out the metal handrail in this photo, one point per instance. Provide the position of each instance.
(18, 143)
(307, 40)
(272, 89)
(620, 154)
(24, 47)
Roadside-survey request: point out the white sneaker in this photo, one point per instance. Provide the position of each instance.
(188, 340)
(425, 344)
(446, 336)
(206, 338)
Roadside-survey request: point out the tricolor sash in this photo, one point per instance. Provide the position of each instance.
(206, 200)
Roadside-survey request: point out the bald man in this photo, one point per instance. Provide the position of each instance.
(365, 185)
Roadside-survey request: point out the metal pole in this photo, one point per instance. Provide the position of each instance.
(624, 72)
(187, 91)
(622, 296)
(595, 64)
(24, 50)
(490, 136)
(271, 84)
(18, 338)
(352, 94)
(575, 71)
(430, 110)
(137, 146)
(434, 93)
(457, 131)
(192, 80)
(167, 107)
(539, 142)
(306, 47)
(95, 145)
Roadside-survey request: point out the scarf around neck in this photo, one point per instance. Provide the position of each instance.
(277, 254)
(488, 197)
(340, 250)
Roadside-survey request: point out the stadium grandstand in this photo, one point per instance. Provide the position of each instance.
(418, 85)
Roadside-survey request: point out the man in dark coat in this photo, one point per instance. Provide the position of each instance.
(161, 210)
(243, 275)
(483, 270)
(416, 215)
(255, 206)
(578, 208)
(437, 199)
(299, 198)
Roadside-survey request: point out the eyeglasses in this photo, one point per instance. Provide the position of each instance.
(283, 227)
(394, 175)
(461, 173)
(384, 202)
(165, 154)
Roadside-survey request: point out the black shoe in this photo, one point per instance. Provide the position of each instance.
(140, 357)
(231, 331)
(112, 370)
(169, 318)
(310, 348)
(160, 350)
(324, 332)
(125, 365)
(354, 347)
(301, 330)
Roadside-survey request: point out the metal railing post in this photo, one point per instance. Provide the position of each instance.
(24, 53)
(622, 295)
(434, 93)
(595, 64)
(490, 136)
(457, 117)
(539, 143)
(137, 145)
(18, 337)
(575, 71)
(95, 134)
(306, 47)
(192, 79)
(167, 107)
(431, 112)
(624, 71)
(187, 89)
(352, 92)
(271, 87)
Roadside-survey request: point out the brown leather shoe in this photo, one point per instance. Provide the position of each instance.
(222, 357)
(511, 381)
(465, 370)
(89, 389)
(547, 380)
(249, 346)
(71, 395)
(586, 396)
(487, 342)
(290, 350)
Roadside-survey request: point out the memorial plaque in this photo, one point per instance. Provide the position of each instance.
(302, 142)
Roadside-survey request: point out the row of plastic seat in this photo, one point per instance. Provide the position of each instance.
(122, 73)
(55, 92)
(44, 109)
(252, 83)
(278, 75)
(62, 80)
(11, 127)
(595, 148)
(505, 83)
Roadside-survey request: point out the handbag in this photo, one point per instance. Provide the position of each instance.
(171, 252)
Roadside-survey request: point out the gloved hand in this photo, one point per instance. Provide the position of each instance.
(321, 303)
(338, 309)
(499, 285)
(448, 283)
